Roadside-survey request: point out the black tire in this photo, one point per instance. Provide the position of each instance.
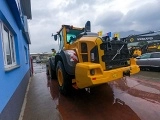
(47, 68)
(142, 68)
(155, 69)
(52, 73)
(64, 80)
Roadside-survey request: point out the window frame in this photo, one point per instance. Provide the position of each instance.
(61, 44)
(10, 45)
(26, 55)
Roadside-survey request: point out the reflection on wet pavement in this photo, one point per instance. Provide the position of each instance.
(148, 75)
(38, 68)
(122, 99)
(140, 86)
(40, 105)
(99, 104)
(147, 89)
(133, 98)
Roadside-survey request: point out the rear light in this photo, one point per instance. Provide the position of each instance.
(93, 78)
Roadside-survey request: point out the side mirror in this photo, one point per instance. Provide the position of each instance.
(138, 57)
(88, 26)
(55, 37)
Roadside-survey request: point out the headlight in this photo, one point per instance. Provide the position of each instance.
(92, 72)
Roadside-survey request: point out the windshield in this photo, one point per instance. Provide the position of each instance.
(72, 34)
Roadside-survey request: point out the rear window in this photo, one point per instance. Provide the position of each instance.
(155, 55)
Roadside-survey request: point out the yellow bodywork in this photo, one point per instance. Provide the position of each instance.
(137, 52)
(84, 79)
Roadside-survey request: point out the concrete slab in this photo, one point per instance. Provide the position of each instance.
(40, 105)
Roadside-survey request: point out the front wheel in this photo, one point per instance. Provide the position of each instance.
(64, 80)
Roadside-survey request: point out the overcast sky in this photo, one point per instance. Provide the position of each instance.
(105, 15)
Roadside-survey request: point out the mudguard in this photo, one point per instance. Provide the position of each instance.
(69, 59)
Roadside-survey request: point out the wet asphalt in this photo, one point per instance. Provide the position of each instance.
(131, 98)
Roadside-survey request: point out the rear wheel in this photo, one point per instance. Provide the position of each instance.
(64, 80)
(51, 72)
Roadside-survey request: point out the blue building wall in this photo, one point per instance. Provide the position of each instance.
(11, 82)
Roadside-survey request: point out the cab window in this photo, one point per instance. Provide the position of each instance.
(70, 38)
(72, 34)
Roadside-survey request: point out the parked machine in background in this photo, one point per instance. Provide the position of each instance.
(85, 59)
(143, 43)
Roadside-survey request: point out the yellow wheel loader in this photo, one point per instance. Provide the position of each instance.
(85, 60)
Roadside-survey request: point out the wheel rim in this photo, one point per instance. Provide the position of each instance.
(60, 77)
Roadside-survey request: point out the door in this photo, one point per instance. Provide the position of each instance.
(155, 60)
(144, 60)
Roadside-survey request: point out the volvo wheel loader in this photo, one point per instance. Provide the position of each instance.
(85, 60)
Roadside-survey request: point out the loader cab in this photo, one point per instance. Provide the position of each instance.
(67, 36)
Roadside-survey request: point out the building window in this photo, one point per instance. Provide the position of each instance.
(8, 47)
(26, 54)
